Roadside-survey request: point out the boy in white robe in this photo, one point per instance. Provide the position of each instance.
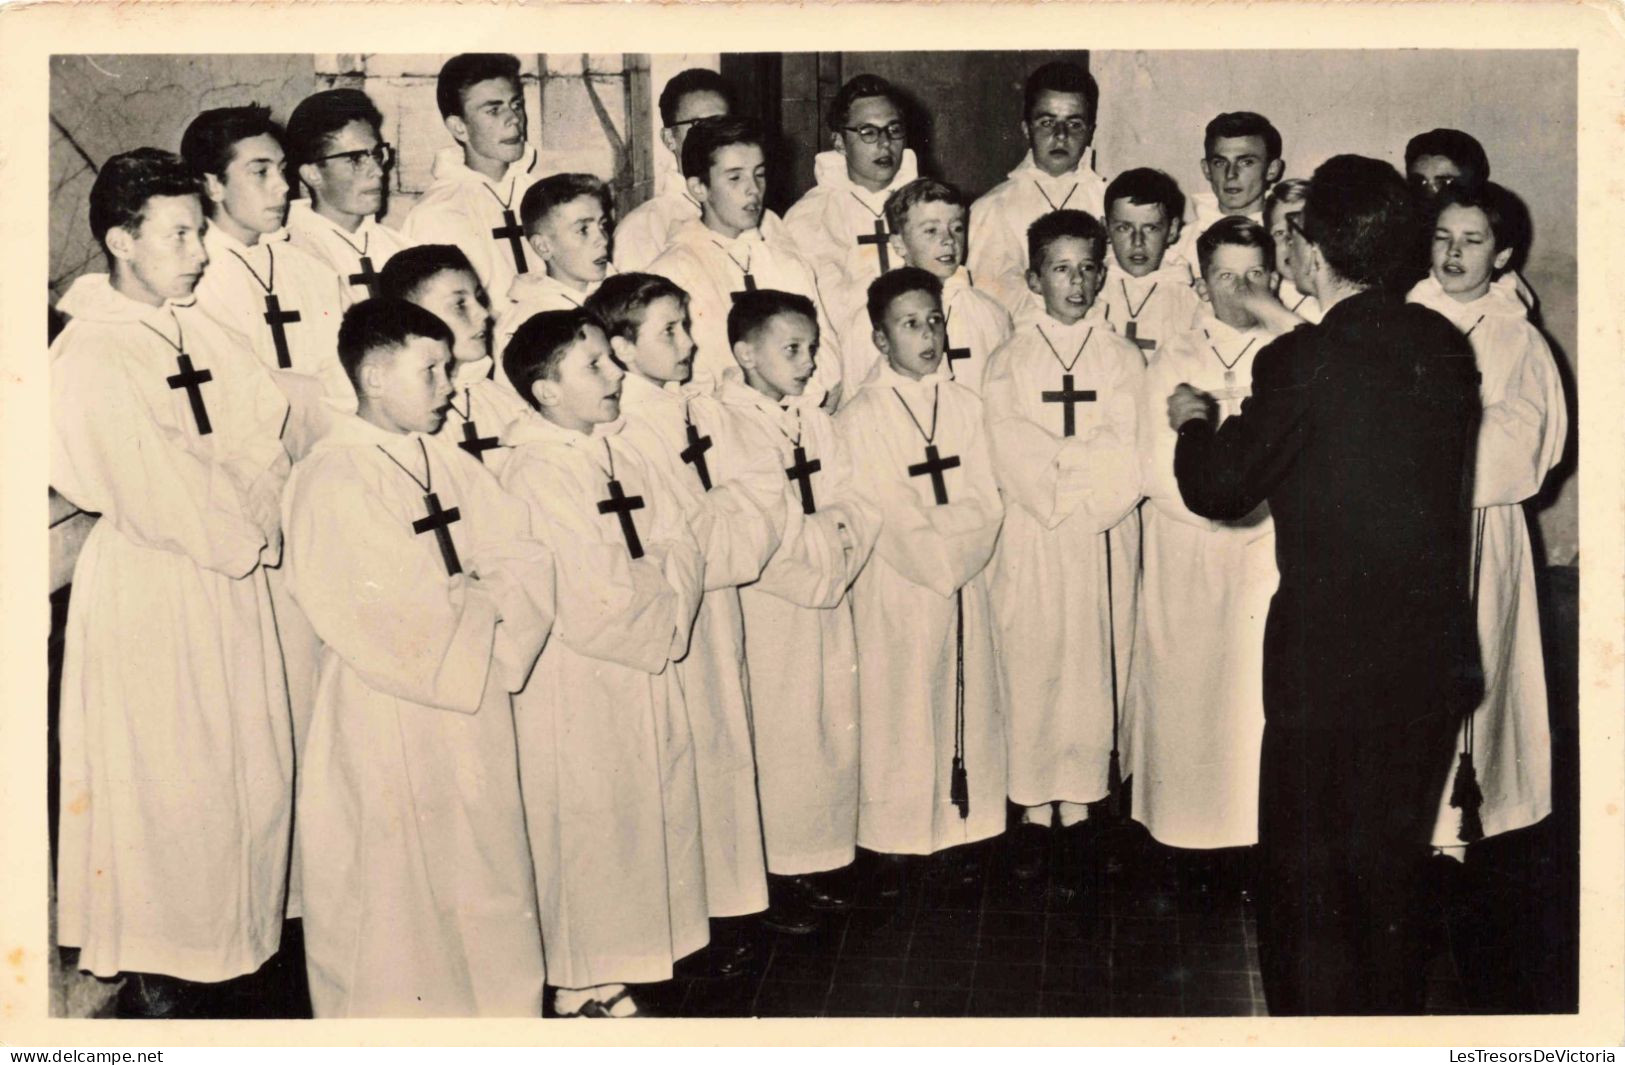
(1477, 234)
(932, 759)
(1147, 295)
(840, 223)
(335, 141)
(439, 279)
(479, 184)
(735, 246)
(1059, 104)
(433, 600)
(176, 744)
(567, 219)
(800, 650)
(1198, 726)
(927, 223)
(605, 755)
(645, 231)
(737, 515)
(1241, 159)
(1061, 400)
(1286, 198)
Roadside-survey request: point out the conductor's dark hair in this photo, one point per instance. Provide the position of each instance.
(408, 269)
(753, 310)
(1460, 148)
(321, 116)
(1238, 230)
(709, 136)
(859, 88)
(885, 289)
(1061, 76)
(463, 72)
(1243, 124)
(620, 302)
(1359, 214)
(539, 346)
(686, 83)
(916, 192)
(1059, 224)
(383, 324)
(1505, 212)
(211, 138)
(556, 190)
(1144, 187)
(125, 183)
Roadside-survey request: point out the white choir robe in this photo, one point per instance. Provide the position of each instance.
(606, 759)
(1299, 303)
(419, 895)
(1198, 724)
(481, 408)
(1201, 211)
(710, 268)
(176, 743)
(646, 230)
(904, 612)
(977, 323)
(464, 207)
(1520, 439)
(738, 524)
(1157, 305)
(343, 251)
(800, 649)
(828, 220)
(1063, 496)
(1000, 217)
(530, 295)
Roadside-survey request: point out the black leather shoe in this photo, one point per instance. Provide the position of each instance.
(1030, 844)
(151, 996)
(891, 874)
(791, 915)
(821, 891)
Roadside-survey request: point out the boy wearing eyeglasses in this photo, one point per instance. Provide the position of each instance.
(343, 163)
(840, 224)
(1241, 159)
(1058, 123)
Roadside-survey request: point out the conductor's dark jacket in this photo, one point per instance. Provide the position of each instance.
(1359, 433)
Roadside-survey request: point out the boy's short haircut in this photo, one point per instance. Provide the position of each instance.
(1360, 215)
(1460, 148)
(557, 190)
(619, 303)
(1243, 124)
(539, 345)
(1059, 224)
(1143, 187)
(384, 323)
(125, 183)
(321, 116)
(1235, 229)
(211, 138)
(709, 136)
(916, 192)
(463, 72)
(1289, 191)
(753, 310)
(1061, 76)
(885, 289)
(686, 83)
(408, 269)
(859, 88)
(1506, 213)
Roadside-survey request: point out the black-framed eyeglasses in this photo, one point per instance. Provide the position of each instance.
(383, 155)
(868, 134)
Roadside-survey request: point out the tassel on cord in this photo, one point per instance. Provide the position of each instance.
(1465, 794)
(1114, 767)
(958, 779)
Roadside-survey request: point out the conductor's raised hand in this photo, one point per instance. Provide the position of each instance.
(1185, 403)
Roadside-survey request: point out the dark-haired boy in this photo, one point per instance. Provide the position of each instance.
(645, 231)
(1059, 104)
(177, 753)
(432, 599)
(932, 761)
(605, 752)
(1147, 295)
(480, 182)
(800, 650)
(1062, 399)
(336, 144)
(567, 219)
(1241, 159)
(840, 223)
(735, 246)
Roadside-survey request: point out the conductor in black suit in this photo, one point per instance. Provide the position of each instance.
(1359, 434)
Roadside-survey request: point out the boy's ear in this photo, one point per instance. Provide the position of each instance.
(697, 189)
(1207, 172)
(1032, 283)
(669, 139)
(371, 375)
(545, 392)
(121, 243)
(882, 342)
(310, 175)
(620, 349)
(836, 141)
(1272, 172)
(537, 239)
(1175, 226)
(214, 188)
(744, 355)
(897, 249)
(1502, 258)
(457, 128)
(1202, 290)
